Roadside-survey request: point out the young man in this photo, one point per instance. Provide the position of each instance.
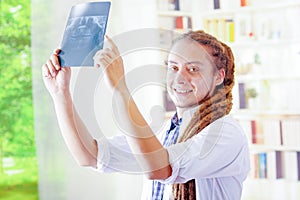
(202, 154)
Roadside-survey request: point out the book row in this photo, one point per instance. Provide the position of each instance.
(223, 28)
(273, 132)
(265, 26)
(178, 23)
(186, 5)
(276, 165)
(241, 28)
(227, 4)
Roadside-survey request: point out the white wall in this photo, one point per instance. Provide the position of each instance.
(59, 176)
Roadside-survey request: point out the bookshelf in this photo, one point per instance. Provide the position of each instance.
(265, 40)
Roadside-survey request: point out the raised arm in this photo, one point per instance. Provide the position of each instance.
(149, 152)
(80, 143)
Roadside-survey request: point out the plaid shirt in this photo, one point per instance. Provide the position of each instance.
(171, 138)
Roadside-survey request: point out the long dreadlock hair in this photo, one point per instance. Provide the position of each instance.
(216, 106)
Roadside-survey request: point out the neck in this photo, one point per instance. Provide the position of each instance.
(180, 111)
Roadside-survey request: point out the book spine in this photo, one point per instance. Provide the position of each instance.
(176, 5)
(242, 95)
(278, 156)
(262, 165)
(216, 4)
(213, 27)
(271, 165)
(271, 131)
(290, 165)
(280, 128)
(255, 166)
(291, 133)
(179, 22)
(221, 29)
(253, 131)
(189, 23)
(244, 3)
(230, 30)
(259, 132)
(298, 165)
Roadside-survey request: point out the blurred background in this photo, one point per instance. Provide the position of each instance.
(264, 35)
(18, 162)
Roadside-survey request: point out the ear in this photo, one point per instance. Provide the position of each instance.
(220, 75)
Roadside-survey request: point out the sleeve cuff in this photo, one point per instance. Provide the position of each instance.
(175, 158)
(103, 156)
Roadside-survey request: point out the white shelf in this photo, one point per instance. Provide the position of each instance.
(174, 13)
(270, 77)
(250, 9)
(249, 113)
(263, 43)
(270, 189)
(266, 148)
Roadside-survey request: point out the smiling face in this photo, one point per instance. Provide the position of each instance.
(191, 74)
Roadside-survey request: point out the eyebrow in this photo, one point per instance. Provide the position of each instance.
(187, 63)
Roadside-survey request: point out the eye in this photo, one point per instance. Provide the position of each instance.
(193, 68)
(172, 67)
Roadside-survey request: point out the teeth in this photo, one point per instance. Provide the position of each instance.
(183, 91)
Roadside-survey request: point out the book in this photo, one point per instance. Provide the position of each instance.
(298, 164)
(176, 4)
(216, 4)
(262, 165)
(254, 165)
(222, 29)
(274, 162)
(173, 4)
(242, 96)
(230, 30)
(253, 131)
(183, 23)
(279, 168)
(84, 33)
(257, 132)
(290, 165)
(272, 132)
(290, 132)
(179, 22)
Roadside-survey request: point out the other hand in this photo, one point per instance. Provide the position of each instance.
(111, 60)
(56, 78)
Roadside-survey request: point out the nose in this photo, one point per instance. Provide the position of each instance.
(181, 77)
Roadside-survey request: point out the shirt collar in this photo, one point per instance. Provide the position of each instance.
(188, 114)
(186, 117)
(175, 120)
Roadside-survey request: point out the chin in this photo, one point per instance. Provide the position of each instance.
(185, 105)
